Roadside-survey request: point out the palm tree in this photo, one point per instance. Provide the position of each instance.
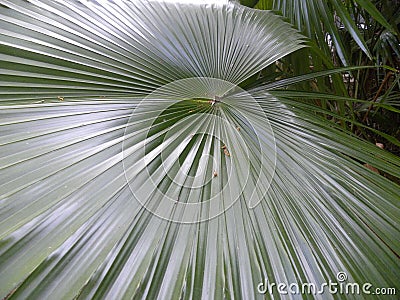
(135, 166)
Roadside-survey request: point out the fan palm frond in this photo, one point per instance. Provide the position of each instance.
(133, 166)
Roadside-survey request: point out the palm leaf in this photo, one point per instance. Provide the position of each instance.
(134, 167)
(316, 18)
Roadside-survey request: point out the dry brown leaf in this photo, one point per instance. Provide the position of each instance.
(373, 169)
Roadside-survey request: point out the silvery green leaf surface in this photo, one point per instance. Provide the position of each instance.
(134, 167)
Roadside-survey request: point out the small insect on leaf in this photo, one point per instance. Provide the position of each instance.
(226, 151)
(60, 98)
(215, 174)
